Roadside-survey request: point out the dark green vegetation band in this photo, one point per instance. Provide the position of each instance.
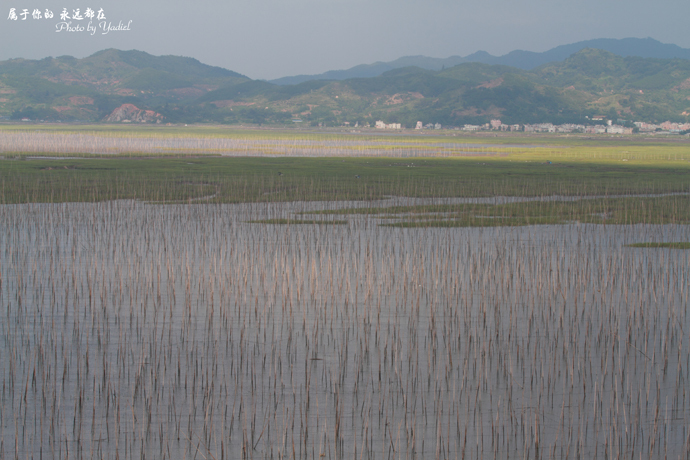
(667, 209)
(677, 245)
(232, 180)
(297, 222)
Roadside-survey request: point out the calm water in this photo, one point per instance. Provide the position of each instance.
(132, 330)
(46, 142)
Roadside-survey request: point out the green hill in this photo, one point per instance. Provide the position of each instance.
(590, 82)
(603, 71)
(68, 88)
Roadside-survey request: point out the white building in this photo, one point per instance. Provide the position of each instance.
(381, 125)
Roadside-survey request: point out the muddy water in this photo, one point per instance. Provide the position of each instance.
(133, 330)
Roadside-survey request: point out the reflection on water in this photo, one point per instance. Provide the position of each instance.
(142, 331)
(65, 143)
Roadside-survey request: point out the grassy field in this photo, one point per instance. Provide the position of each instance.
(297, 222)
(453, 165)
(678, 245)
(667, 209)
(282, 179)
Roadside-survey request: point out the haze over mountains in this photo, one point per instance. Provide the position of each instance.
(136, 87)
(526, 60)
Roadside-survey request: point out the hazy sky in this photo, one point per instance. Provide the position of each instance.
(275, 38)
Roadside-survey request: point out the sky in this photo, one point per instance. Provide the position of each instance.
(266, 39)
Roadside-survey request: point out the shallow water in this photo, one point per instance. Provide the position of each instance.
(134, 330)
(44, 142)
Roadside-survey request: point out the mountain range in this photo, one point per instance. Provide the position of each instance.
(526, 60)
(133, 86)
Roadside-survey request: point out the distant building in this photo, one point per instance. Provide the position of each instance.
(540, 128)
(496, 124)
(597, 129)
(419, 125)
(673, 127)
(570, 128)
(615, 129)
(381, 125)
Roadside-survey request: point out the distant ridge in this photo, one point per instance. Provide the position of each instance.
(115, 86)
(526, 60)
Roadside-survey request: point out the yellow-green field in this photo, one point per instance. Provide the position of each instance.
(222, 165)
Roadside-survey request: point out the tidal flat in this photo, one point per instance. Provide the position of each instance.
(389, 297)
(138, 330)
